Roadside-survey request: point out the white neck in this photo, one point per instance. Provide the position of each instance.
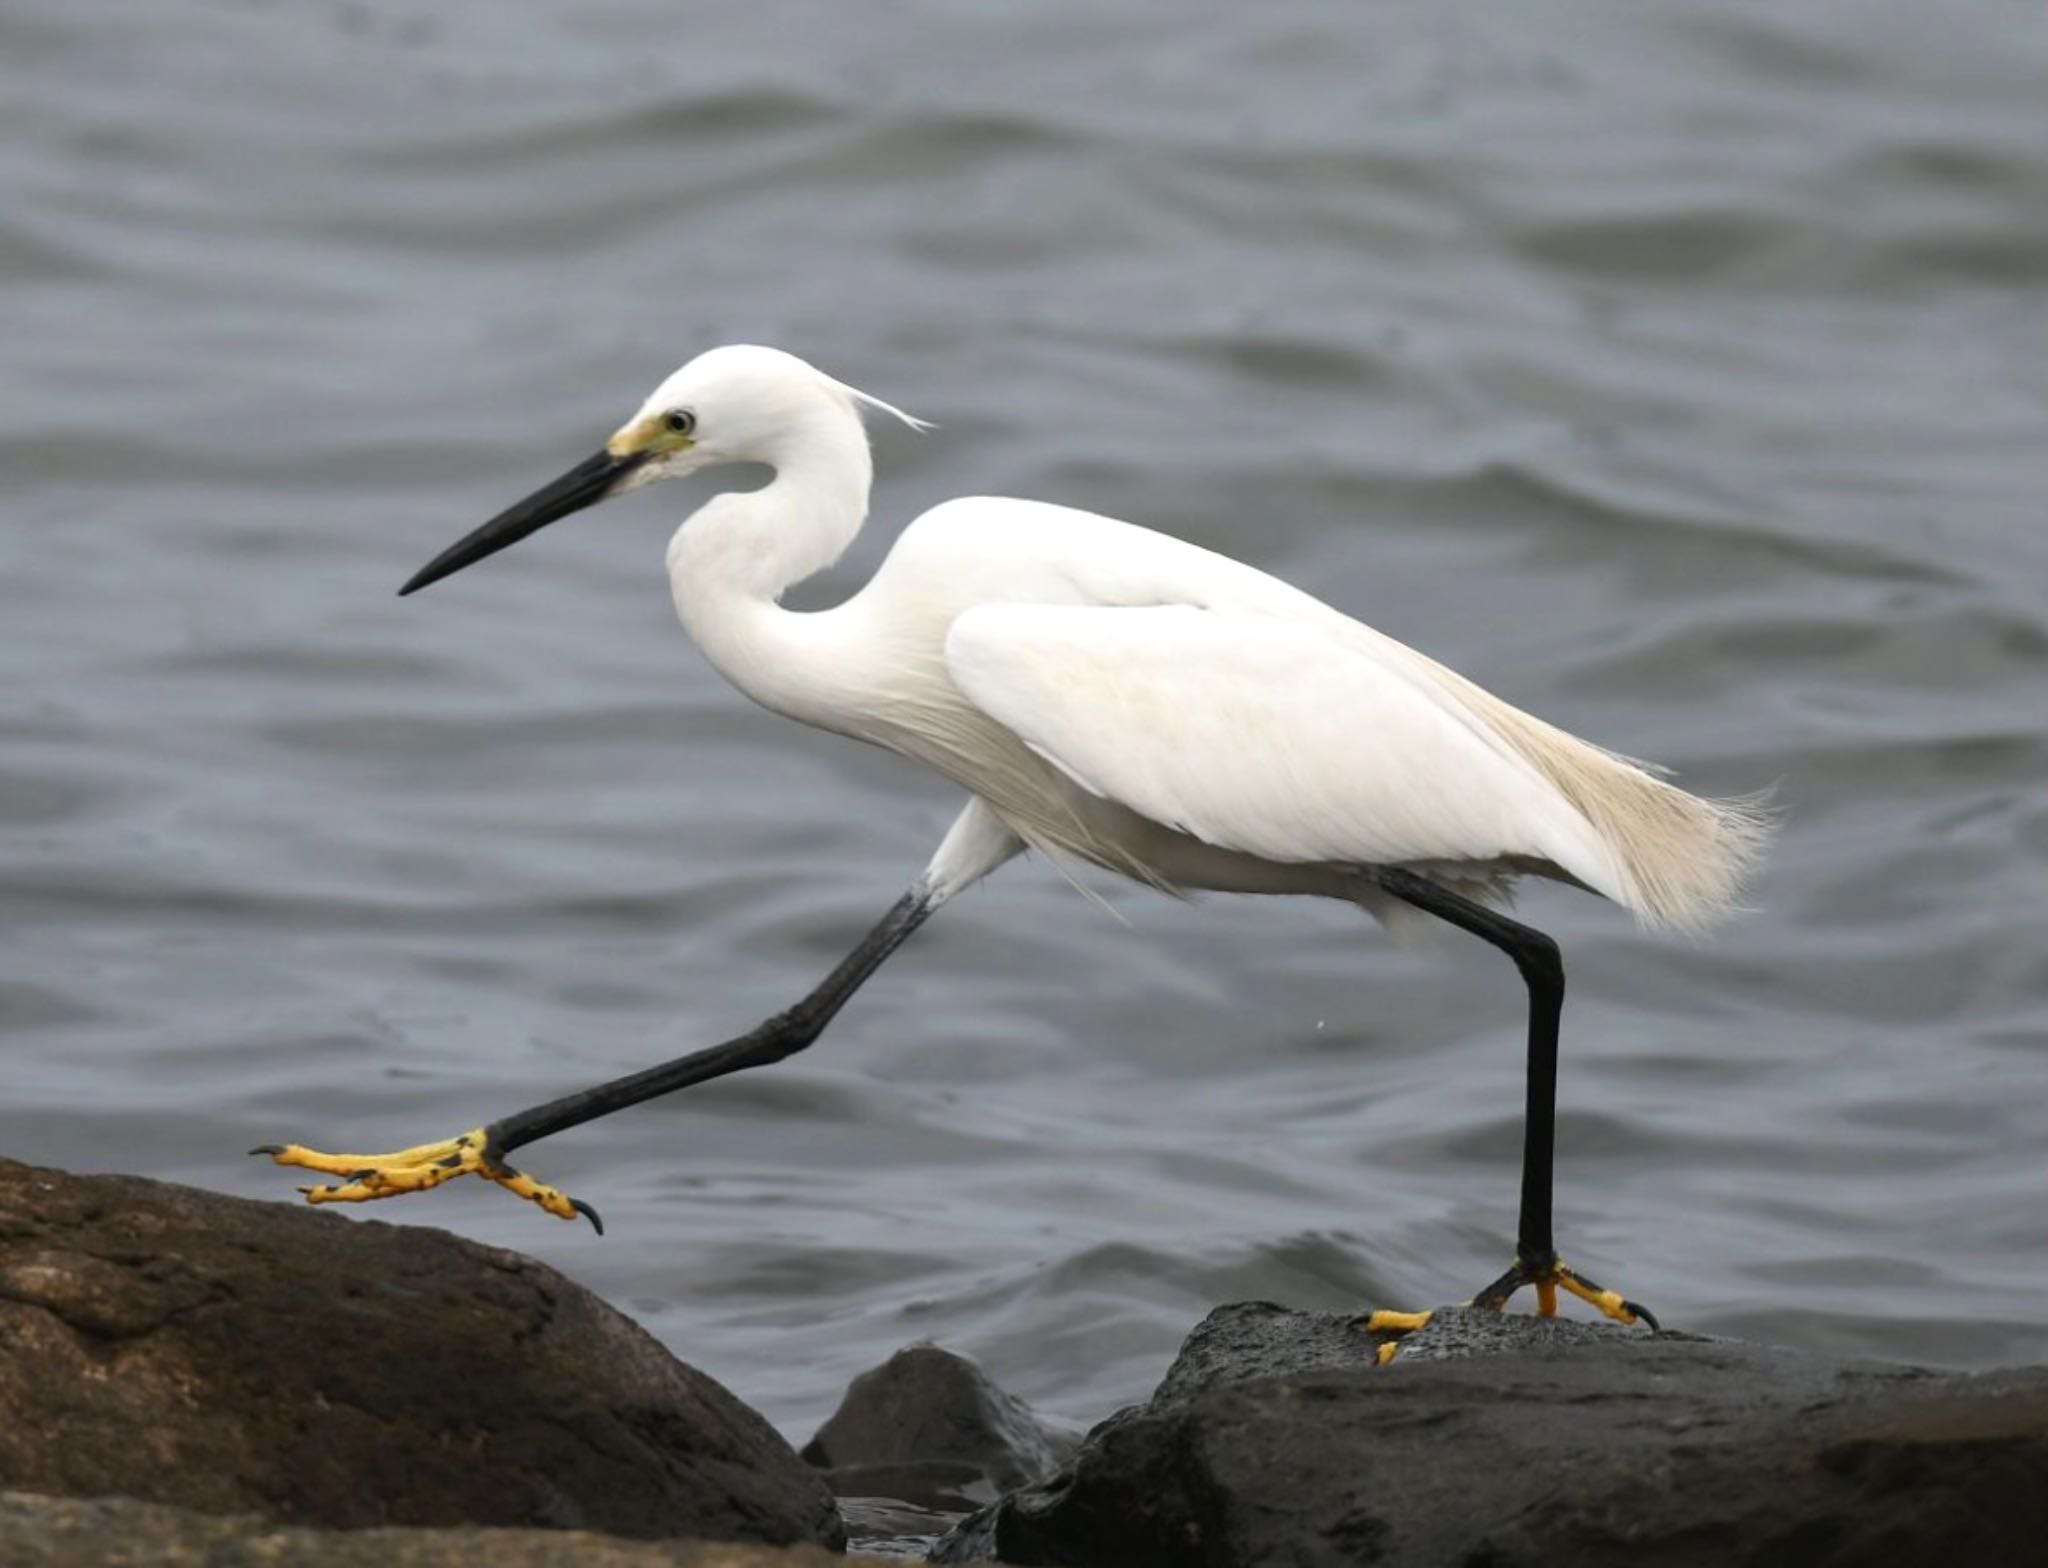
(737, 554)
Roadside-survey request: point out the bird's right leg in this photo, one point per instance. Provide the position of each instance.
(1536, 1261)
(977, 843)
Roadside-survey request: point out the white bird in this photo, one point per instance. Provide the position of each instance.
(1115, 697)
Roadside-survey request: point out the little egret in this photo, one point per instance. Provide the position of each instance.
(1113, 697)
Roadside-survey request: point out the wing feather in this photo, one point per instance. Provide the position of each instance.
(1261, 735)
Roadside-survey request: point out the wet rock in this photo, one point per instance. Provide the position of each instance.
(180, 1347)
(1506, 1441)
(60, 1532)
(889, 1528)
(930, 1428)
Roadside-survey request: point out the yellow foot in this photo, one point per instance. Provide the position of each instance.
(1554, 1275)
(418, 1169)
(1548, 1278)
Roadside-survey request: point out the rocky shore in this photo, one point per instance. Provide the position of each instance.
(61, 1532)
(191, 1378)
(1510, 1441)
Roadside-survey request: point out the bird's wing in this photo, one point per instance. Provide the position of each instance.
(1258, 734)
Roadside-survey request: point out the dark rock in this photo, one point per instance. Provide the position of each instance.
(180, 1347)
(1506, 1441)
(929, 1427)
(889, 1528)
(62, 1532)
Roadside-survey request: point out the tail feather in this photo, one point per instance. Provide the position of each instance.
(1684, 860)
(1687, 858)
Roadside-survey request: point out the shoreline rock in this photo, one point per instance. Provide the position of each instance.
(1510, 1441)
(928, 1418)
(193, 1378)
(65, 1532)
(925, 1438)
(185, 1348)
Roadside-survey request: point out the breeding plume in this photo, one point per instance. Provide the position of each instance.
(1112, 697)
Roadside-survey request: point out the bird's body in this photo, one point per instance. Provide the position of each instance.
(1113, 696)
(1122, 697)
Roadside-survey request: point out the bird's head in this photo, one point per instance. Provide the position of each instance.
(736, 404)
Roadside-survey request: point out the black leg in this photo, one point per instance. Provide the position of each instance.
(482, 1151)
(1542, 968)
(770, 1041)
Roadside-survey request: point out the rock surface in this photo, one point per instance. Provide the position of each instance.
(180, 1347)
(927, 1421)
(1511, 1441)
(924, 1439)
(62, 1532)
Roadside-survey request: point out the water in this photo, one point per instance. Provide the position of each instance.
(1677, 371)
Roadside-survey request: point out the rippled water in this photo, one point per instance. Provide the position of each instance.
(1677, 371)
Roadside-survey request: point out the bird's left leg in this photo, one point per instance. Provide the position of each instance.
(482, 1150)
(1536, 1261)
(977, 843)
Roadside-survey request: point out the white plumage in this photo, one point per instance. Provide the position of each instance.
(1115, 695)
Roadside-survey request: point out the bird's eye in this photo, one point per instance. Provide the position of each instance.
(680, 420)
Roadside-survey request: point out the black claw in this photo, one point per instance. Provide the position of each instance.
(1645, 1314)
(268, 1148)
(588, 1213)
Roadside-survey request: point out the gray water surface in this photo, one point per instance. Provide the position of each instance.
(1676, 371)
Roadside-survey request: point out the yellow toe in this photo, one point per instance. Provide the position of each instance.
(1397, 1322)
(448, 1154)
(1610, 1302)
(553, 1199)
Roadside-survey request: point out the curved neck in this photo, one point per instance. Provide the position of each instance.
(734, 557)
(756, 544)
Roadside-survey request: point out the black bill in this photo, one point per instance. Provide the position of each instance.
(589, 482)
